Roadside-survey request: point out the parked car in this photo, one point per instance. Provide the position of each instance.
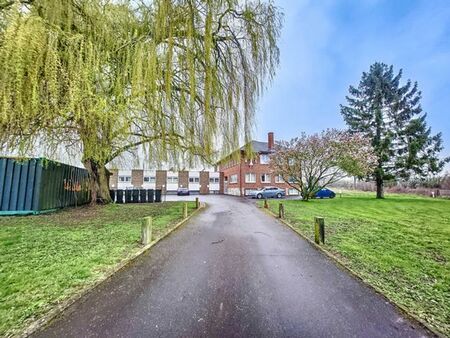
(183, 192)
(268, 192)
(325, 193)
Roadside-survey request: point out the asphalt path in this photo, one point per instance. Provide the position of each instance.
(232, 271)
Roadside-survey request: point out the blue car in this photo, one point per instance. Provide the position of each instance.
(325, 193)
(268, 192)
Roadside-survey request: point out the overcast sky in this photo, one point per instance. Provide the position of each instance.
(326, 45)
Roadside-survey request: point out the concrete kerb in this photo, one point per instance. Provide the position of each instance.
(344, 267)
(57, 311)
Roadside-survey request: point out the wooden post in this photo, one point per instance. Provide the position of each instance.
(146, 230)
(281, 211)
(319, 230)
(266, 204)
(185, 210)
(197, 203)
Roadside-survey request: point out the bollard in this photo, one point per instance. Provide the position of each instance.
(319, 230)
(281, 211)
(266, 204)
(146, 230)
(185, 210)
(197, 203)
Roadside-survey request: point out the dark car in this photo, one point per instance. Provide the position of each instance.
(325, 193)
(183, 192)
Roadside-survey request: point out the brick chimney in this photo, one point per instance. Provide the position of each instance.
(270, 141)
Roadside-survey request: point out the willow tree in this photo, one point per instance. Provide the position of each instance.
(109, 76)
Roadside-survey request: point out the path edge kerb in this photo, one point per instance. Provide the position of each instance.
(58, 310)
(354, 274)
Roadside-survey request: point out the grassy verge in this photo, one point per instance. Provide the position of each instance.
(47, 258)
(400, 245)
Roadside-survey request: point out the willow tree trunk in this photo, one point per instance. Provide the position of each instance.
(99, 182)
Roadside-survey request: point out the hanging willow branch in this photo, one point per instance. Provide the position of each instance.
(107, 75)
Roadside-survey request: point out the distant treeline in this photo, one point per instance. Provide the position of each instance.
(438, 186)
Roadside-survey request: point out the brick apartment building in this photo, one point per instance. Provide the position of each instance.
(201, 182)
(242, 174)
(236, 175)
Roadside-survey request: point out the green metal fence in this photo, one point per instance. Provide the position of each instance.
(36, 185)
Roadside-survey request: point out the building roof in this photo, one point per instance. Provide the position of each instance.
(259, 147)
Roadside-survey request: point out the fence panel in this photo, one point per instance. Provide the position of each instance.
(35, 185)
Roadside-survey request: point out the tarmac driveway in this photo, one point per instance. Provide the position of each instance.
(233, 271)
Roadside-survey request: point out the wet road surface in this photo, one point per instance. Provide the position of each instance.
(232, 271)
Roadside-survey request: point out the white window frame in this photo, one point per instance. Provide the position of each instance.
(264, 179)
(149, 179)
(214, 180)
(233, 178)
(250, 178)
(293, 192)
(194, 179)
(124, 179)
(172, 179)
(264, 159)
(279, 179)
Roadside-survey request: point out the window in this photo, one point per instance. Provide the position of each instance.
(293, 191)
(250, 178)
(172, 179)
(279, 179)
(234, 178)
(194, 179)
(149, 179)
(265, 178)
(264, 159)
(124, 179)
(214, 180)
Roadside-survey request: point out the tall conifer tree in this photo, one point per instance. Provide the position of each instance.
(390, 114)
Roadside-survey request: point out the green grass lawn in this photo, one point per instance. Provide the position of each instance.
(47, 258)
(400, 244)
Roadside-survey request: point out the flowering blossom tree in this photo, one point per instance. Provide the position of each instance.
(310, 163)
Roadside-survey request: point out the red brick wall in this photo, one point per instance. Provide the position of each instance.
(183, 179)
(161, 179)
(204, 182)
(221, 183)
(114, 178)
(137, 178)
(249, 167)
(226, 174)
